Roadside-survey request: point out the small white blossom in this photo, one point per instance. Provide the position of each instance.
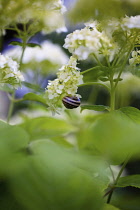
(135, 58)
(9, 72)
(43, 15)
(54, 17)
(83, 42)
(131, 22)
(92, 24)
(59, 5)
(2, 61)
(111, 26)
(68, 79)
(89, 40)
(49, 56)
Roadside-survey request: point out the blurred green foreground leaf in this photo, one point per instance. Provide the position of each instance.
(58, 179)
(115, 135)
(132, 180)
(13, 141)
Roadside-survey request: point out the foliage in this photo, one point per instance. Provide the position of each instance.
(51, 157)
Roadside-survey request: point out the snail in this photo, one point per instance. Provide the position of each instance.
(71, 102)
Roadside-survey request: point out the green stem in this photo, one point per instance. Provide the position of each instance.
(116, 181)
(95, 83)
(98, 61)
(11, 107)
(23, 50)
(93, 68)
(125, 60)
(112, 99)
(107, 60)
(13, 95)
(113, 177)
(112, 94)
(122, 68)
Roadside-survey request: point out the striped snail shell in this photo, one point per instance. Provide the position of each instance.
(71, 102)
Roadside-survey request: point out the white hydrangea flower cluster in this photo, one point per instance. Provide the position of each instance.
(54, 17)
(49, 57)
(66, 84)
(132, 22)
(90, 40)
(46, 16)
(59, 5)
(135, 58)
(9, 72)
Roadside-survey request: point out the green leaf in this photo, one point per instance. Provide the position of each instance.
(116, 137)
(16, 43)
(55, 178)
(109, 207)
(33, 45)
(27, 44)
(131, 113)
(94, 107)
(94, 165)
(7, 201)
(127, 201)
(13, 141)
(34, 97)
(95, 9)
(132, 180)
(104, 79)
(33, 86)
(61, 140)
(46, 127)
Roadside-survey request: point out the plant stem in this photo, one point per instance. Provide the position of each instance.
(98, 61)
(112, 99)
(125, 60)
(95, 83)
(11, 107)
(113, 177)
(13, 95)
(93, 68)
(116, 181)
(112, 94)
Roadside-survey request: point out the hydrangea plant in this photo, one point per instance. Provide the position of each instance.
(9, 72)
(76, 158)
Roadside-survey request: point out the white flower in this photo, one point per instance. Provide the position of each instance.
(89, 40)
(35, 12)
(48, 51)
(9, 72)
(135, 58)
(68, 79)
(83, 42)
(58, 5)
(2, 61)
(54, 18)
(91, 24)
(131, 22)
(49, 56)
(111, 26)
